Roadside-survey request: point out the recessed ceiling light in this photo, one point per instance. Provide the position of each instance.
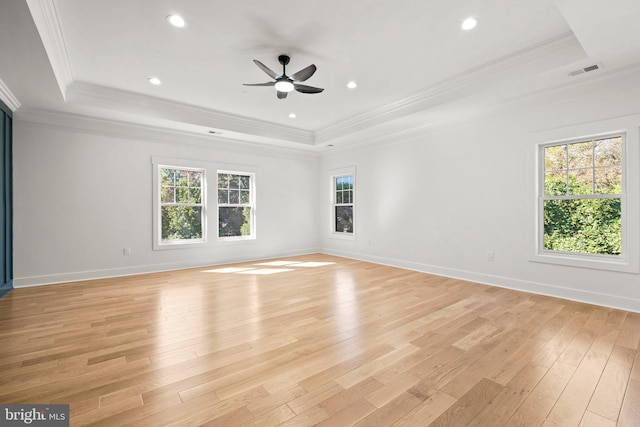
(469, 23)
(176, 20)
(154, 81)
(352, 85)
(292, 116)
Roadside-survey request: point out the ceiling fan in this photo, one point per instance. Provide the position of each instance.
(285, 84)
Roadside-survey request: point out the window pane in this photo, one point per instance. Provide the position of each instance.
(182, 195)
(167, 195)
(349, 198)
(344, 219)
(195, 195)
(608, 180)
(555, 157)
(608, 152)
(339, 197)
(581, 181)
(181, 222)
(590, 226)
(234, 221)
(223, 180)
(195, 179)
(244, 182)
(234, 197)
(348, 183)
(167, 176)
(223, 196)
(555, 183)
(581, 155)
(182, 178)
(234, 182)
(245, 196)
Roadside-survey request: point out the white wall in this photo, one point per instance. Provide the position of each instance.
(83, 192)
(441, 200)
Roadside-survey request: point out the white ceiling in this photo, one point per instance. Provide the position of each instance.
(412, 61)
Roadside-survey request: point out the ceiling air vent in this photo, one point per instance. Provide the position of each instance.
(590, 68)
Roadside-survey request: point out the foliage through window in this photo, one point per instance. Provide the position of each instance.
(582, 196)
(182, 208)
(343, 204)
(235, 205)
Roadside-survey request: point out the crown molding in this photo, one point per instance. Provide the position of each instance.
(145, 132)
(537, 58)
(8, 97)
(46, 19)
(130, 102)
(624, 78)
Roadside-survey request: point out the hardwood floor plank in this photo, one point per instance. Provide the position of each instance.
(575, 398)
(609, 393)
(390, 412)
(427, 412)
(333, 342)
(272, 418)
(498, 411)
(392, 388)
(469, 405)
(534, 409)
(593, 420)
(630, 412)
(630, 333)
(349, 415)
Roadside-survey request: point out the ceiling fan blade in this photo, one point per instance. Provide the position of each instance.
(259, 84)
(304, 74)
(282, 95)
(266, 69)
(307, 89)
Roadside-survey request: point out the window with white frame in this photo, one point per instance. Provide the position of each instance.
(181, 207)
(582, 192)
(343, 203)
(236, 205)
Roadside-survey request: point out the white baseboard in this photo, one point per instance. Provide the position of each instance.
(605, 300)
(52, 279)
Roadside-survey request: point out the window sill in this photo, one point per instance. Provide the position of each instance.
(179, 244)
(585, 261)
(239, 239)
(343, 236)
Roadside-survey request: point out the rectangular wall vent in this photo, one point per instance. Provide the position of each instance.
(593, 67)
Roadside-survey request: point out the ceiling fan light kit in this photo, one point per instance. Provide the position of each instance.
(285, 84)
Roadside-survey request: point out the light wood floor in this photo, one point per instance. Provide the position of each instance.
(338, 344)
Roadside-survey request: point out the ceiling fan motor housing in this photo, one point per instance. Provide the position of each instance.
(283, 59)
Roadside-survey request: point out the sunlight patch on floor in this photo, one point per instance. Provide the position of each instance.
(266, 271)
(279, 263)
(228, 270)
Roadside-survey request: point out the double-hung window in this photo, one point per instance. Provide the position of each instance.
(587, 196)
(587, 202)
(343, 204)
(182, 207)
(236, 205)
(582, 198)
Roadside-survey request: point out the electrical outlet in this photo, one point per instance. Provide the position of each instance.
(126, 251)
(489, 256)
